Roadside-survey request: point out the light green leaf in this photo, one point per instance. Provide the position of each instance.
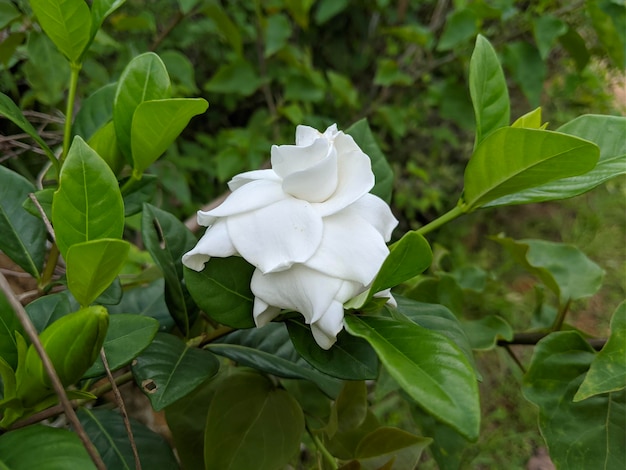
(511, 160)
(156, 124)
(145, 78)
(531, 120)
(127, 336)
(238, 77)
(585, 434)
(363, 136)
(166, 238)
(168, 369)
(485, 332)
(222, 290)
(22, 235)
(93, 265)
(429, 367)
(609, 134)
(95, 111)
(488, 90)
(9, 110)
(56, 449)
(107, 431)
(607, 372)
(104, 143)
(461, 25)
(251, 424)
(100, 9)
(67, 23)
(88, 204)
(564, 269)
(277, 32)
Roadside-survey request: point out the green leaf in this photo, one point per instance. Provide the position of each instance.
(22, 235)
(95, 111)
(327, 9)
(147, 300)
(138, 192)
(44, 197)
(350, 358)
(222, 290)
(363, 136)
(269, 349)
(251, 424)
(387, 442)
(351, 405)
(547, 29)
(92, 266)
(461, 25)
(144, 79)
(67, 23)
(88, 204)
(166, 238)
(100, 9)
(156, 124)
(49, 308)
(107, 431)
(8, 13)
(238, 77)
(511, 160)
(575, 45)
(9, 110)
(56, 449)
(564, 269)
(527, 69)
(277, 33)
(168, 369)
(225, 25)
(585, 434)
(430, 368)
(127, 336)
(9, 324)
(488, 90)
(47, 72)
(607, 372)
(104, 143)
(609, 134)
(606, 18)
(531, 120)
(485, 332)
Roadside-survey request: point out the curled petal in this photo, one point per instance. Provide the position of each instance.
(326, 329)
(316, 183)
(345, 143)
(355, 178)
(306, 135)
(273, 238)
(214, 242)
(376, 212)
(244, 178)
(263, 313)
(287, 159)
(351, 248)
(299, 288)
(249, 197)
(387, 294)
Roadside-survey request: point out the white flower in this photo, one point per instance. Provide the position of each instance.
(310, 227)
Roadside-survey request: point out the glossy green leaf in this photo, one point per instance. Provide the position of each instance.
(167, 239)
(156, 124)
(128, 335)
(488, 90)
(585, 434)
(49, 308)
(139, 192)
(147, 300)
(222, 290)
(485, 332)
(9, 110)
(22, 235)
(609, 134)
(530, 120)
(350, 358)
(104, 143)
(144, 78)
(88, 204)
(564, 269)
(513, 159)
(168, 370)
(429, 367)
(107, 431)
(44, 198)
(9, 324)
(251, 424)
(95, 111)
(363, 136)
(92, 266)
(607, 372)
(269, 349)
(44, 448)
(67, 23)
(100, 9)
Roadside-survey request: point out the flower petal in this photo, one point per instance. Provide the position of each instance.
(316, 183)
(273, 238)
(263, 313)
(215, 242)
(306, 135)
(249, 197)
(355, 178)
(244, 178)
(287, 159)
(326, 329)
(351, 248)
(299, 288)
(376, 212)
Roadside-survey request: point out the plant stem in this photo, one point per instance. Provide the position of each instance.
(323, 450)
(532, 338)
(51, 263)
(560, 318)
(439, 221)
(69, 110)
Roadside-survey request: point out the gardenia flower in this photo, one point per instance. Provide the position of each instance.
(315, 234)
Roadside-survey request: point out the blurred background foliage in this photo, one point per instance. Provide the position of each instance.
(266, 66)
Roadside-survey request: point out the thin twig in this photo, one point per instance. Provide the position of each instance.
(46, 221)
(507, 348)
(49, 368)
(120, 402)
(530, 339)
